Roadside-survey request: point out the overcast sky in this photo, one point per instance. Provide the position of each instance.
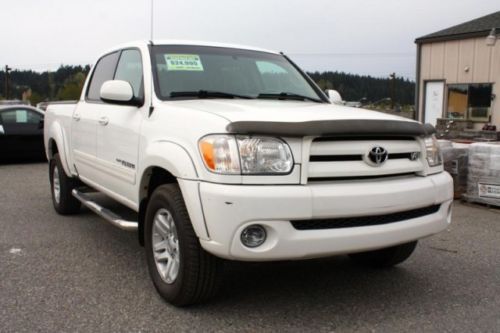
(374, 37)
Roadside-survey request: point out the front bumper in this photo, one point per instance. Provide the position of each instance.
(228, 209)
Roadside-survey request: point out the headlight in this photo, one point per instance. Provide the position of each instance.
(220, 154)
(433, 152)
(246, 155)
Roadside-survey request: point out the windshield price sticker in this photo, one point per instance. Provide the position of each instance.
(183, 62)
(489, 191)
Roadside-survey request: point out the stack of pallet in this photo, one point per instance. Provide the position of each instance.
(455, 159)
(483, 182)
(452, 128)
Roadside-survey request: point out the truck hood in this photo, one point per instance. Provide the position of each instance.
(297, 118)
(238, 110)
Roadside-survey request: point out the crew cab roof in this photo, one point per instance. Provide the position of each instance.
(187, 42)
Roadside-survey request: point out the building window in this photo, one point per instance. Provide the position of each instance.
(469, 101)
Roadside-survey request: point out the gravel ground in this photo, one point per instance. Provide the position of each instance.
(80, 274)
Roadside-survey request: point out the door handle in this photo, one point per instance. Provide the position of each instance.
(103, 121)
(76, 117)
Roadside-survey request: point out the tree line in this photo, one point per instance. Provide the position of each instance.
(366, 88)
(67, 81)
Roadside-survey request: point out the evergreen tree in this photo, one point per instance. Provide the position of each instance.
(67, 82)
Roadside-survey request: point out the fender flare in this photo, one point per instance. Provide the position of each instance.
(56, 133)
(179, 162)
(175, 159)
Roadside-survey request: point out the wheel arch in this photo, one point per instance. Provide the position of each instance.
(57, 145)
(164, 163)
(52, 148)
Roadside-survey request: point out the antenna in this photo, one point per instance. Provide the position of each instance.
(152, 20)
(151, 106)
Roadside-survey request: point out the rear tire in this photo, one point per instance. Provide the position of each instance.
(182, 272)
(385, 258)
(61, 186)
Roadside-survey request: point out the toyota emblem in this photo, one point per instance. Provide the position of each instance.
(377, 156)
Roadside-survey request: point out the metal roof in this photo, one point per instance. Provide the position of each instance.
(475, 28)
(19, 106)
(145, 43)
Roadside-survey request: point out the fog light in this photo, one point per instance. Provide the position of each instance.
(253, 236)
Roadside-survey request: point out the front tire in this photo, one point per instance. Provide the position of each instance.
(385, 258)
(61, 186)
(182, 272)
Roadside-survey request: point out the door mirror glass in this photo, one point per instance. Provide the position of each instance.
(118, 92)
(334, 96)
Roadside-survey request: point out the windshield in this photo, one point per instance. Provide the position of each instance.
(187, 71)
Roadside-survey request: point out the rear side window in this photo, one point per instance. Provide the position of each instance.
(20, 116)
(104, 71)
(130, 69)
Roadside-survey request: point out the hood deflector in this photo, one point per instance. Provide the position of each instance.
(344, 128)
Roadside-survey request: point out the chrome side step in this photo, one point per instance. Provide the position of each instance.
(105, 213)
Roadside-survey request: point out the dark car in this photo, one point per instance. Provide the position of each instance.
(21, 133)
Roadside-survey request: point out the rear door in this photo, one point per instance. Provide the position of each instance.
(85, 119)
(118, 130)
(22, 133)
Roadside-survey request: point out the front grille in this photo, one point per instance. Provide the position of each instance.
(354, 137)
(363, 221)
(340, 158)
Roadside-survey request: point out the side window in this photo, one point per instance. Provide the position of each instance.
(34, 117)
(9, 117)
(104, 70)
(20, 116)
(130, 69)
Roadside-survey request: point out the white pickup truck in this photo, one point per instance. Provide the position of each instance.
(232, 152)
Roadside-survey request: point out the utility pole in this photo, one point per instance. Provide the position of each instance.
(7, 70)
(393, 89)
(50, 77)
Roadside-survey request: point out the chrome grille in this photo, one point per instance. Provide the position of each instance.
(332, 158)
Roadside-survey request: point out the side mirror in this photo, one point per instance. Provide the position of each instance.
(119, 92)
(2, 131)
(40, 124)
(334, 96)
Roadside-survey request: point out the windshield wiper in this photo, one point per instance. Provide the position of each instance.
(286, 95)
(207, 94)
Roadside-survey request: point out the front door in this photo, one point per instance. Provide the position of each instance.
(118, 131)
